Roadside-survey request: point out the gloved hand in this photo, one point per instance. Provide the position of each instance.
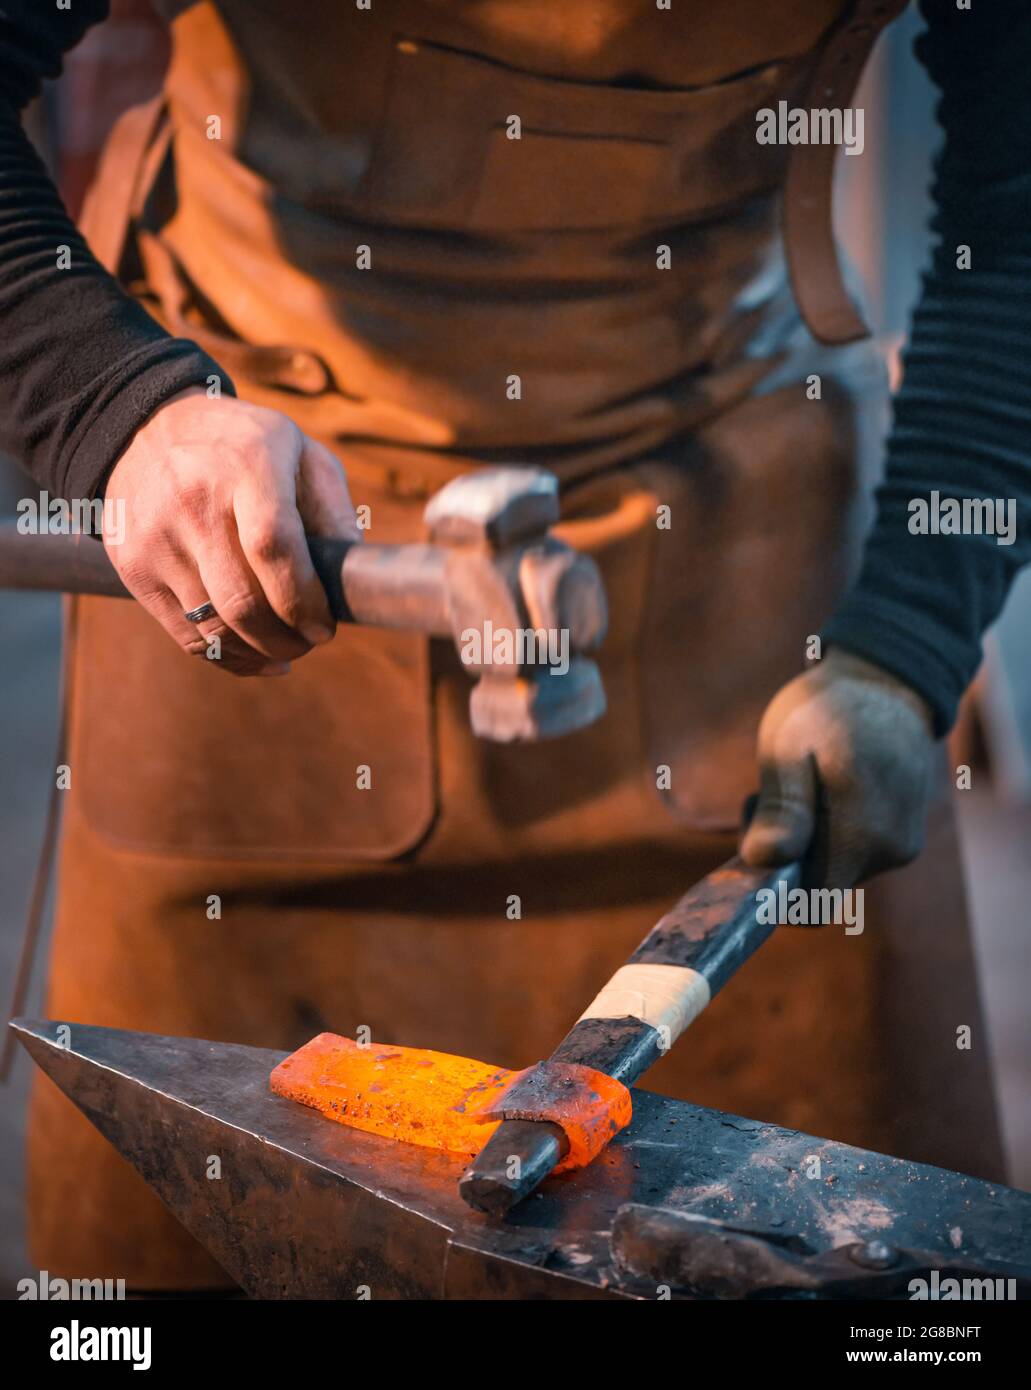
(846, 755)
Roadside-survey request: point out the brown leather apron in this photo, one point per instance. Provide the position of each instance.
(642, 388)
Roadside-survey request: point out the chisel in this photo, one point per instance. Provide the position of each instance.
(687, 957)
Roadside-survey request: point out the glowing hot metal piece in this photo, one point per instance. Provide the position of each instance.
(452, 1103)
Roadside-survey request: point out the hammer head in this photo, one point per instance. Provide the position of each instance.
(494, 506)
(523, 606)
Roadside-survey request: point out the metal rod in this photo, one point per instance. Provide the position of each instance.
(710, 933)
(395, 586)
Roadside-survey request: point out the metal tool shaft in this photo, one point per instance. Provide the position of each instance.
(710, 933)
(395, 586)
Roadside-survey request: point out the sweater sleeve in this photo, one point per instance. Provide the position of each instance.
(962, 417)
(82, 365)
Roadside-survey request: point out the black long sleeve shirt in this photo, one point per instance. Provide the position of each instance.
(82, 365)
(962, 417)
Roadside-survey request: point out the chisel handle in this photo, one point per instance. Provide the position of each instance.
(396, 586)
(686, 958)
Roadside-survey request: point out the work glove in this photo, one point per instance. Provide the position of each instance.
(846, 756)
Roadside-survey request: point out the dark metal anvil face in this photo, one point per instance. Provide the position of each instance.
(305, 1208)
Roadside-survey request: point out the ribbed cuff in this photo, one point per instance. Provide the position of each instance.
(903, 643)
(144, 381)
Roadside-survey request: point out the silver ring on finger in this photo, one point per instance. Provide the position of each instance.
(201, 614)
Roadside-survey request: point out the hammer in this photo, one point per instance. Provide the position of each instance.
(519, 605)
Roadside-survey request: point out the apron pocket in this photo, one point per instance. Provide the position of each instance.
(588, 156)
(171, 756)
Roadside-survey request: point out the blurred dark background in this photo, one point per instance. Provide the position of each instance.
(881, 217)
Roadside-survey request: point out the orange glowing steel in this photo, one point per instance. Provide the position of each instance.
(407, 1093)
(450, 1103)
(589, 1106)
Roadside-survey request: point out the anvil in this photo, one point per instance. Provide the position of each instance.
(685, 1202)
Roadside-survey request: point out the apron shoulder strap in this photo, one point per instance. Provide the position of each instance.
(119, 187)
(812, 256)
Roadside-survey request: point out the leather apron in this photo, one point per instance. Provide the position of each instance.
(391, 906)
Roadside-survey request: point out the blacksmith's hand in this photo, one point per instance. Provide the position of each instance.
(218, 495)
(846, 757)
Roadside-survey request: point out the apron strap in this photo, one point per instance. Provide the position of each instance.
(812, 256)
(131, 158)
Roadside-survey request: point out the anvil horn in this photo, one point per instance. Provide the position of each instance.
(300, 1208)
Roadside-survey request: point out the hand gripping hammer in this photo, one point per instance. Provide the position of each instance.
(490, 570)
